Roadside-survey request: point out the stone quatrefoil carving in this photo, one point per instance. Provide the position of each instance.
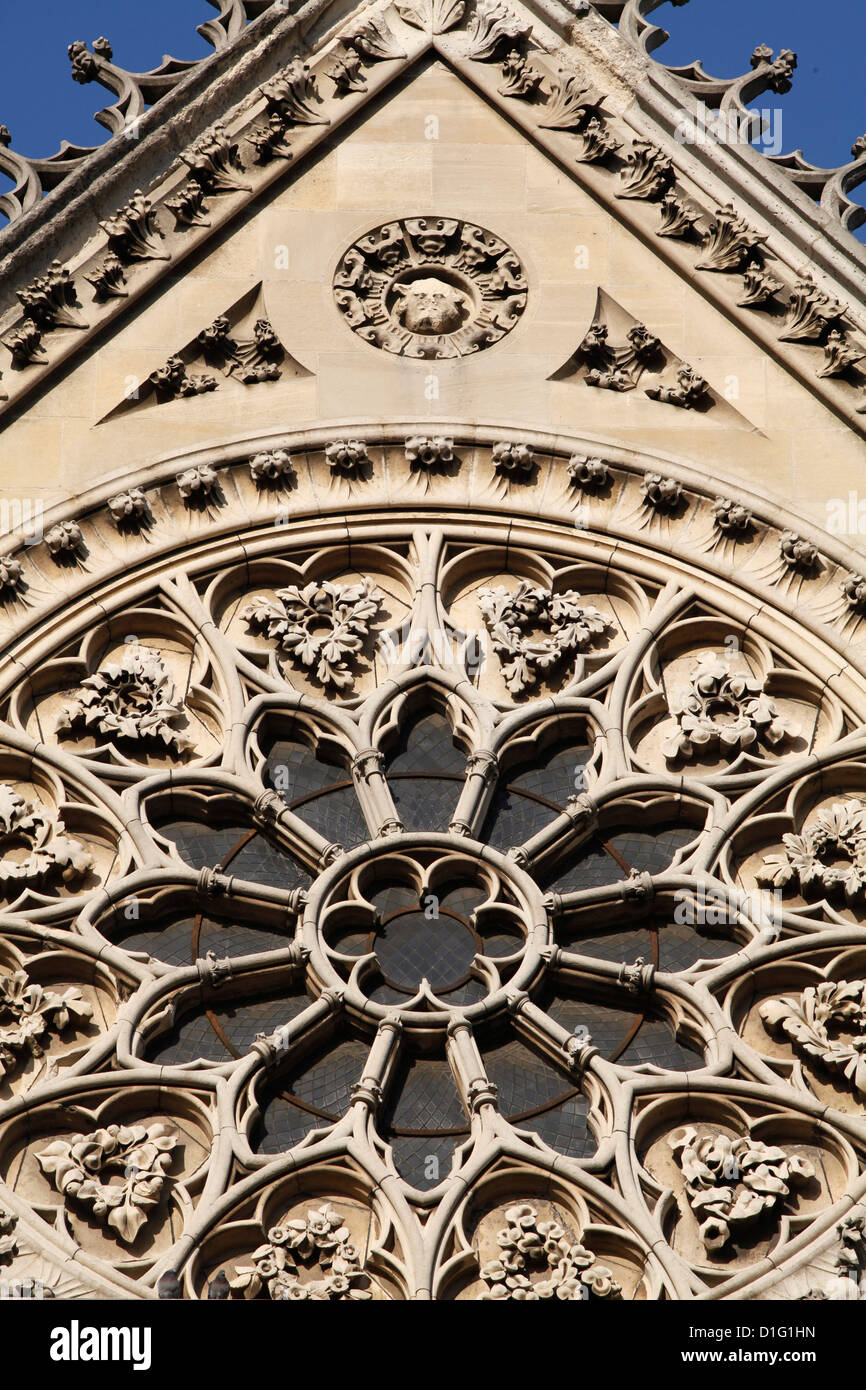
(533, 629)
(730, 1183)
(430, 287)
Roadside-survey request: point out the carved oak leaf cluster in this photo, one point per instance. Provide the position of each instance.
(301, 1245)
(838, 833)
(118, 1172)
(731, 1182)
(812, 1018)
(322, 625)
(34, 827)
(723, 711)
(532, 1247)
(133, 699)
(512, 617)
(34, 1012)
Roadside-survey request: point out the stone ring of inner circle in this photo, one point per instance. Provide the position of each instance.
(527, 894)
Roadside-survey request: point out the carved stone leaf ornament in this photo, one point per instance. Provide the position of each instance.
(322, 626)
(436, 15)
(132, 232)
(838, 833)
(282, 1269)
(813, 1020)
(512, 618)
(133, 699)
(729, 243)
(8, 1239)
(542, 1260)
(117, 1172)
(725, 712)
(495, 28)
(646, 172)
(730, 1183)
(49, 852)
(31, 1013)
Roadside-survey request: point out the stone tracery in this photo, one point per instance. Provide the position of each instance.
(442, 890)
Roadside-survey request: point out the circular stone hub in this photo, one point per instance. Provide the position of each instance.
(431, 925)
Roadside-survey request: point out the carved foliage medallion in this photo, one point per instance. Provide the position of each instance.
(430, 287)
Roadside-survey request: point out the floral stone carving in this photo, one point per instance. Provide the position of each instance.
(118, 1172)
(430, 287)
(52, 853)
(8, 1239)
(322, 625)
(300, 1246)
(133, 699)
(812, 1018)
(29, 1013)
(724, 712)
(731, 1182)
(513, 617)
(543, 1248)
(838, 833)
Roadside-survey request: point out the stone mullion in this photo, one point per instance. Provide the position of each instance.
(369, 1092)
(482, 772)
(534, 1025)
(476, 1089)
(374, 793)
(576, 823)
(271, 812)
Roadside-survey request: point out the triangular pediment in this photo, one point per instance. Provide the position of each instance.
(486, 122)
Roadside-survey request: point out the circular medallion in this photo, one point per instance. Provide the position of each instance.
(427, 927)
(430, 287)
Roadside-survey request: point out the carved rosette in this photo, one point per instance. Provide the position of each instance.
(322, 626)
(566, 626)
(829, 855)
(430, 287)
(724, 711)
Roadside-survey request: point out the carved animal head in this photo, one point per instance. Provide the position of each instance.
(431, 306)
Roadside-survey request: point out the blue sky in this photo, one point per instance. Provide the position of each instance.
(823, 114)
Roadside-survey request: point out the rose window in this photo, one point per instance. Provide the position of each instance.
(475, 911)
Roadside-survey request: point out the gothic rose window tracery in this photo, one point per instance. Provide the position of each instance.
(405, 888)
